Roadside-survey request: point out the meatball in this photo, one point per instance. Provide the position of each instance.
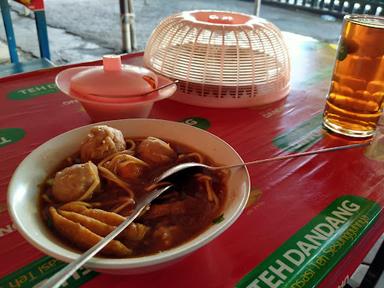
(77, 182)
(101, 142)
(155, 151)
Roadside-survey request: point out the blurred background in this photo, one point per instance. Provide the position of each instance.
(87, 29)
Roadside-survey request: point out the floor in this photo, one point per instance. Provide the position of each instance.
(4, 56)
(374, 263)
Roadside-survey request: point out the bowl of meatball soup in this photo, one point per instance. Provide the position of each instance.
(75, 189)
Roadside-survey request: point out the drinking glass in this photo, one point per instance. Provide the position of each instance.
(356, 95)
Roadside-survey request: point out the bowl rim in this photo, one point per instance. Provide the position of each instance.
(137, 262)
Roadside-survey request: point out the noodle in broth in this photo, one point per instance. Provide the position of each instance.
(93, 191)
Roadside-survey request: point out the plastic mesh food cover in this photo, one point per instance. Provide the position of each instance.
(222, 59)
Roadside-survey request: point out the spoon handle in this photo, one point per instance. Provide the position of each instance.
(60, 277)
(295, 155)
(138, 95)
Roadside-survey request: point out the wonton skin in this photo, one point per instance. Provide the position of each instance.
(101, 142)
(102, 219)
(156, 151)
(76, 182)
(83, 237)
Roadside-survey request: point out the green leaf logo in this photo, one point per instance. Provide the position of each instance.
(10, 135)
(197, 122)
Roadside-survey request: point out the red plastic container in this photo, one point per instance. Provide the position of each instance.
(114, 90)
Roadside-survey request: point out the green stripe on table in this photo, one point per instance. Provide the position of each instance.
(41, 269)
(301, 137)
(33, 91)
(308, 256)
(10, 135)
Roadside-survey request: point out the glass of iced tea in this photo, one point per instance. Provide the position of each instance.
(356, 97)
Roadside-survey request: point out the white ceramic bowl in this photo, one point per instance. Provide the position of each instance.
(24, 189)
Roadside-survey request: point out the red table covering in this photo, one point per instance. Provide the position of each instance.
(285, 195)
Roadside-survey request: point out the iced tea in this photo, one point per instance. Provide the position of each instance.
(356, 96)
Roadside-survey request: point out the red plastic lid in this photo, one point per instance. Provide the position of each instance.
(209, 18)
(113, 79)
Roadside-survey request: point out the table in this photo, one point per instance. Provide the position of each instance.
(286, 196)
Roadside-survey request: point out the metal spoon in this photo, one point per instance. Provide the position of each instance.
(184, 167)
(60, 277)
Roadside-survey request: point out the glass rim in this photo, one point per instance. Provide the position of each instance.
(372, 21)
